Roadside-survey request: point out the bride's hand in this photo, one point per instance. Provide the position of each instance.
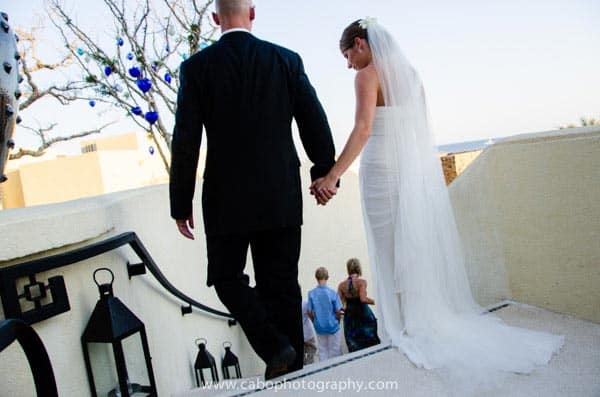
(324, 189)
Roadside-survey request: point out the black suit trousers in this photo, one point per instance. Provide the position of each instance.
(270, 313)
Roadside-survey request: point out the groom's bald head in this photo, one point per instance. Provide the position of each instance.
(233, 7)
(234, 14)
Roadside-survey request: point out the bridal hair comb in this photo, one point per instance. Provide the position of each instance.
(366, 22)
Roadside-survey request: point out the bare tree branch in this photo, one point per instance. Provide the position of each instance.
(159, 33)
(46, 143)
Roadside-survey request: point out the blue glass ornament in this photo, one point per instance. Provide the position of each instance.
(168, 78)
(184, 56)
(136, 110)
(151, 150)
(203, 45)
(107, 71)
(167, 48)
(117, 88)
(130, 56)
(92, 103)
(80, 51)
(120, 41)
(151, 117)
(135, 72)
(144, 85)
(154, 67)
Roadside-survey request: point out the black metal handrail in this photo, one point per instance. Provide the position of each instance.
(43, 376)
(9, 275)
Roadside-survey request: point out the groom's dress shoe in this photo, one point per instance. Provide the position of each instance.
(280, 362)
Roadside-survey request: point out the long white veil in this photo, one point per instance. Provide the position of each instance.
(442, 324)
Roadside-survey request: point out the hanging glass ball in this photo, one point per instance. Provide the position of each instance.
(203, 45)
(151, 150)
(107, 71)
(144, 85)
(184, 56)
(80, 51)
(168, 78)
(87, 59)
(135, 72)
(151, 117)
(136, 110)
(120, 41)
(167, 49)
(172, 31)
(92, 103)
(130, 56)
(154, 67)
(118, 87)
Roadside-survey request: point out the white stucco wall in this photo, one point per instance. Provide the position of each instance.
(532, 202)
(170, 335)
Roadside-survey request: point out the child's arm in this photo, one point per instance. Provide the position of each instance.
(341, 294)
(339, 309)
(309, 309)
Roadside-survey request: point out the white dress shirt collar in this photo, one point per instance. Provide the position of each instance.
(235, 30)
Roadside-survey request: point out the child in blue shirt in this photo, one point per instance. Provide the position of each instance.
(325, 310)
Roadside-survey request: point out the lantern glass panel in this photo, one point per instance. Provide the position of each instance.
(208, 377)
(104, 368)
(135, 360)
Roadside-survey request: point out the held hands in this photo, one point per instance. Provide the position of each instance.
(182, 225)
(324, 189)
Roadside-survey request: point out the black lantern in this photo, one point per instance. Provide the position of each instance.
(204, 360)
(230, 361)
(115, 337)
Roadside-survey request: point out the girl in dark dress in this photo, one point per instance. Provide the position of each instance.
(360, 324)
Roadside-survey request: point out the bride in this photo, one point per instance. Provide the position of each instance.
(424, 296)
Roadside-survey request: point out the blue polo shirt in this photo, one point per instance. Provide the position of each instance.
(324, 302)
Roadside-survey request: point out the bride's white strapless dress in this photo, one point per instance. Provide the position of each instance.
(426, 310)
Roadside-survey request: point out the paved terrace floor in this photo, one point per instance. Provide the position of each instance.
(574, 372)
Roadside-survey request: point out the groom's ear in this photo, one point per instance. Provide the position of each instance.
(252, 13)
(215, 18)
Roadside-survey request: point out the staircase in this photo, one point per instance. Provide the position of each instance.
(384, 371)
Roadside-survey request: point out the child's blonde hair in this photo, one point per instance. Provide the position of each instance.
(322, 274)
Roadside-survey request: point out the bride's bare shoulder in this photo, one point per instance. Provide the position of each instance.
(367, 76)
(368, 72)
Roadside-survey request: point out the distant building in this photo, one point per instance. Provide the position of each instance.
(105, 165)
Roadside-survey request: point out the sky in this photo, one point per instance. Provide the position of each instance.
(490, 68)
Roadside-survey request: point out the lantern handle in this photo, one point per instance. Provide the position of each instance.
(200, 339)
(225, 343)
(108, 270)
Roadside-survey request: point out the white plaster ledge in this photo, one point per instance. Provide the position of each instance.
(31, 230)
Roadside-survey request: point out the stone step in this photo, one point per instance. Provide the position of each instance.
(256, 384)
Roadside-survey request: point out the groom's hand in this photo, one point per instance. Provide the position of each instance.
(182, 225)
(320, 198)
(323, 190)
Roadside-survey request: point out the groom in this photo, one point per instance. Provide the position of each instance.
(245, 92)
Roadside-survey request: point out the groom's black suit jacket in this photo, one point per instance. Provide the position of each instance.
(245, 92)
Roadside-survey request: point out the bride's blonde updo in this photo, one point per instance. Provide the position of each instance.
(353, 30)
